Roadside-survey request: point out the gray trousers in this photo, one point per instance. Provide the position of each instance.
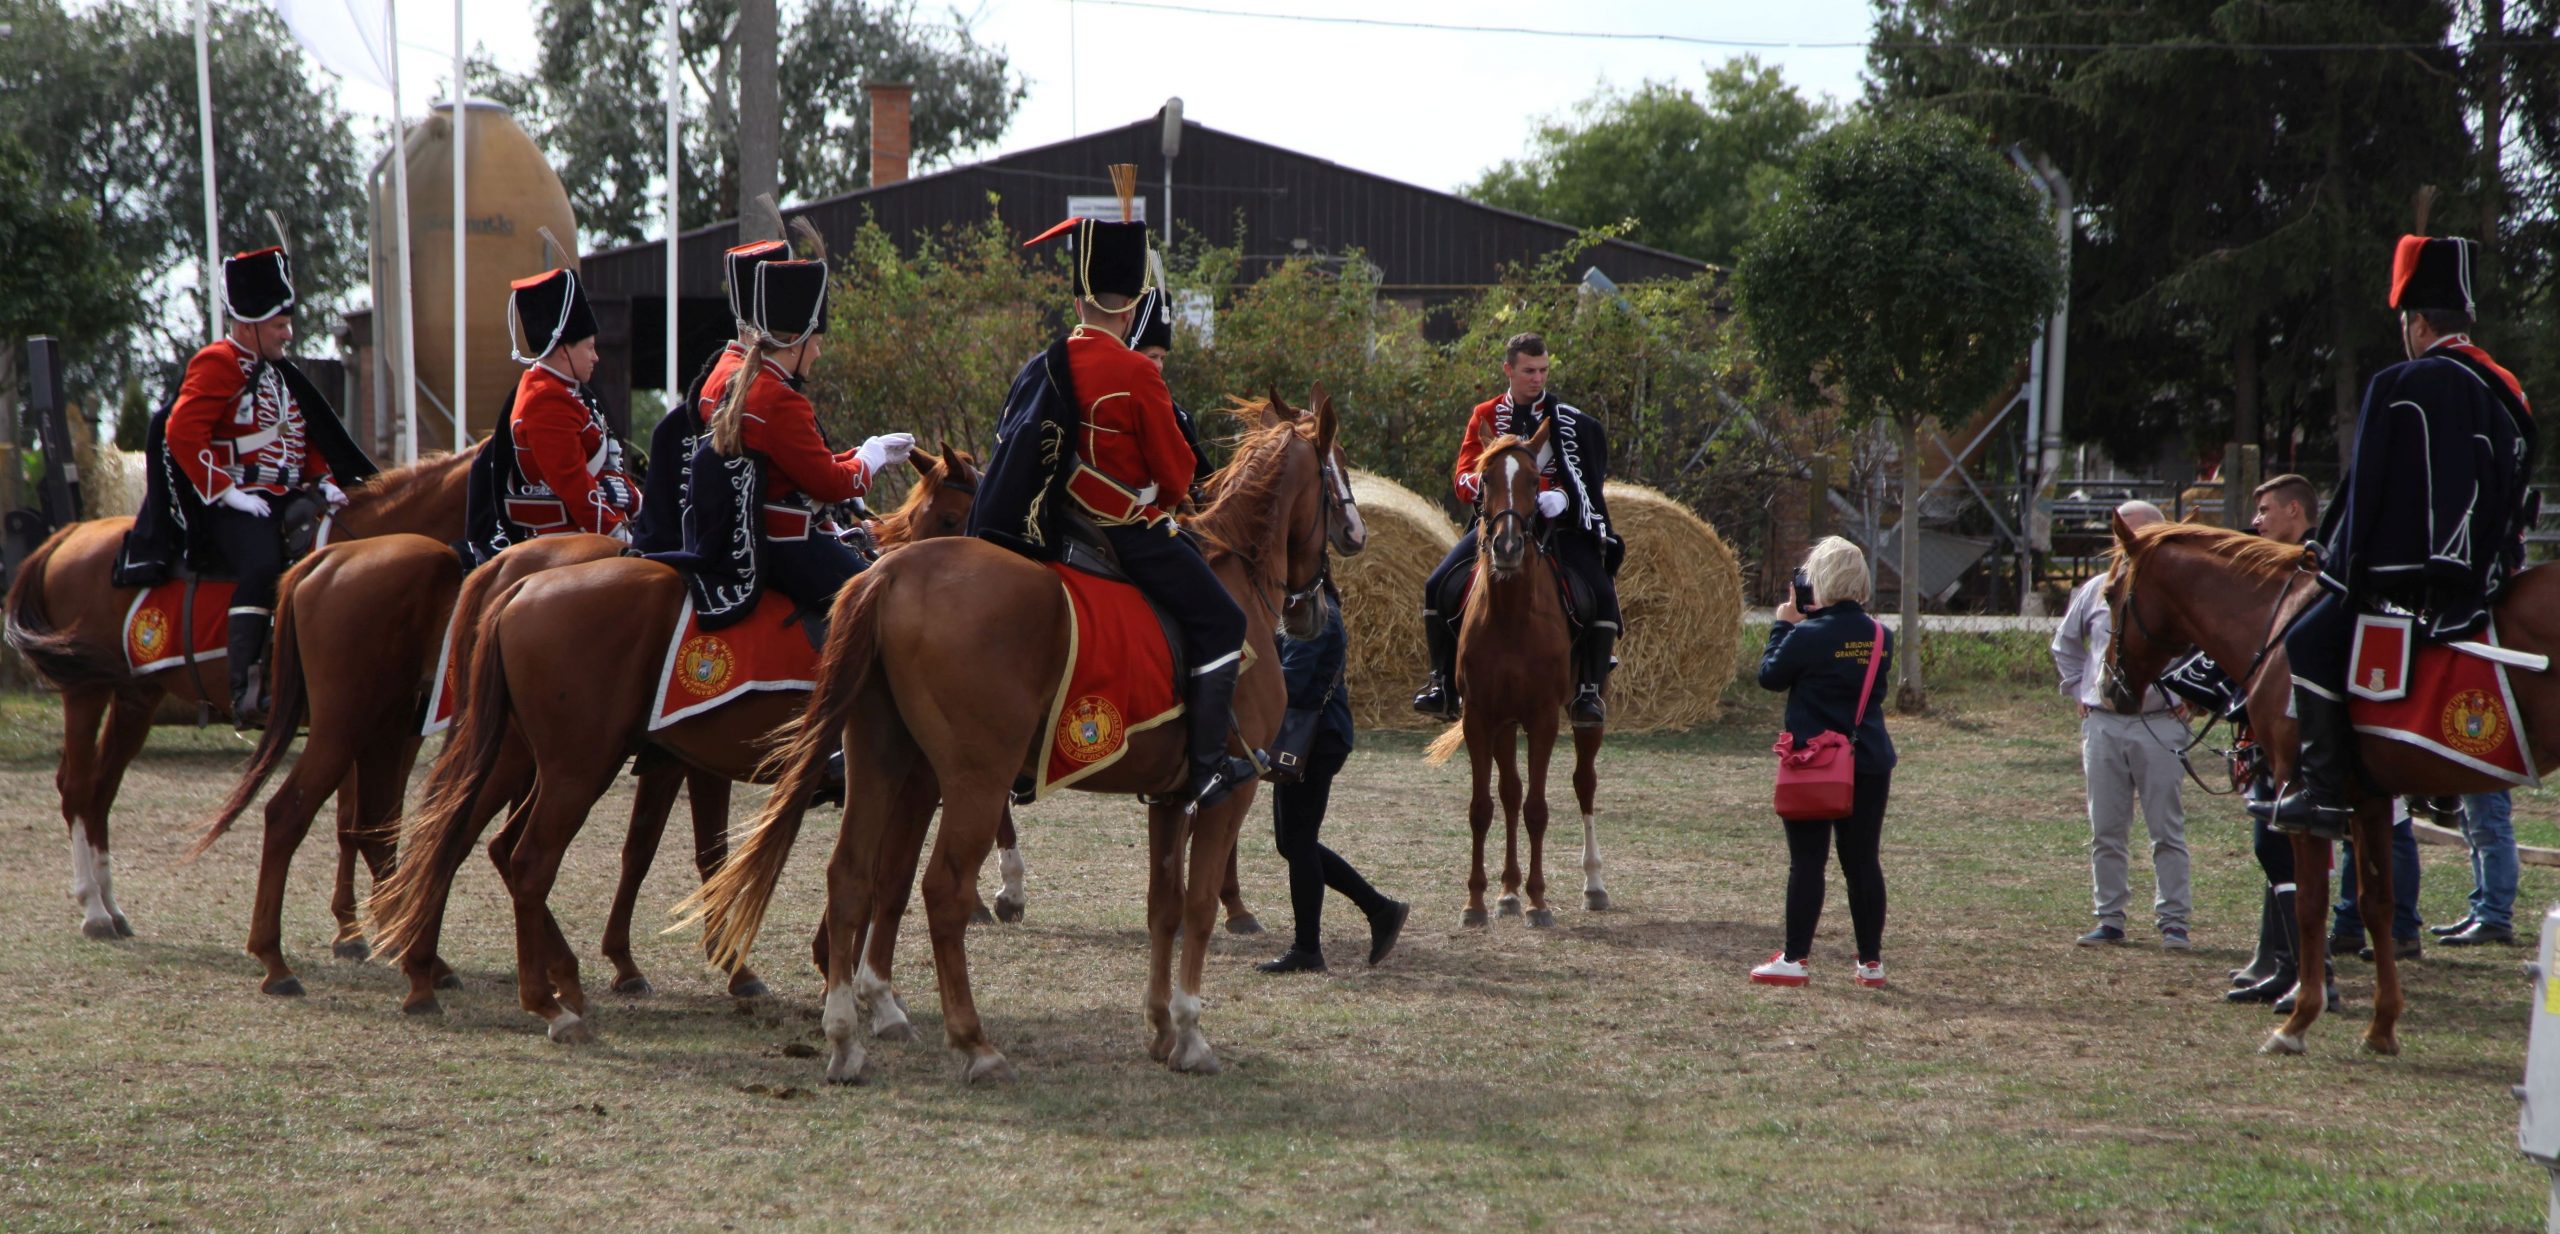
(2123, 762)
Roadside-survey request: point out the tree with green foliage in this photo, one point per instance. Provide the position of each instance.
(1689, 170)
(55, 278)
(1903, 272)
(102, 98)
(2238, 194)
(594, 102)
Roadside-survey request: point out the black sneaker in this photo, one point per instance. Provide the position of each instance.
(2448, 931)
(1383, 929)
(2482, 932)
(1293, 961)
(2103, 936)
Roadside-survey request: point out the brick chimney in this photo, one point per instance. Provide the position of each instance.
(890, 143)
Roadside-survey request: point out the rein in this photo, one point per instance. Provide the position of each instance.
(2278, 625)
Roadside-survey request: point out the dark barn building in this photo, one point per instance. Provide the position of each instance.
(1276, 203)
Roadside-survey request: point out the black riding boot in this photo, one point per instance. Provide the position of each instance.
(2283, 996)
(2317, 804)
(2270, 945)
(1214, 772)
(1590, 708)
(2277, 983)
(1439, 699)
(248, 655)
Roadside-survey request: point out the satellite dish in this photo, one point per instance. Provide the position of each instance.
(1172, 128)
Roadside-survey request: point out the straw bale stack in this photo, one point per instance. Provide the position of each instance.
(1382, 600)
(1681, 592)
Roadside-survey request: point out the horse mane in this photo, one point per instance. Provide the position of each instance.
(1496, 448)
(389, 483)
(1240, 514)
(2259, 558)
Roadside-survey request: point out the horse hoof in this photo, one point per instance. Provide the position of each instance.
(355, 949)
(1540, 919)
(981, 915)
(570, 1029)
(1161, 1049)
(1596, 901)
(634, 985)
(449, 981)
(1008, 911)
(848, 1077)
(2388, 1047)
(1507, 906)
(1474, 920)
(1200, 1060)
(283, 987)
(1244, 923)
(101, 928)
(895, 1030)
(752, 987)
(987, 1068)
(423, 1006)
(2280, 1042)
(124, 928)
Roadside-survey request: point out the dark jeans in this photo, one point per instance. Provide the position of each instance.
(1297, 815)
(1860, 836)
(2404, 887)
(1179, 580)
(810, 571)
(254, 549)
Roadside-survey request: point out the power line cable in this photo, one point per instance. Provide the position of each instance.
(1389, 23)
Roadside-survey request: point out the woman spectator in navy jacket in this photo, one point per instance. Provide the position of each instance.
(1821, 659)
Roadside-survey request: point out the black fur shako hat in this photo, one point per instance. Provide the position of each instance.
(258, 284)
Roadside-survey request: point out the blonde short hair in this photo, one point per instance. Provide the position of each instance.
(1837, 570)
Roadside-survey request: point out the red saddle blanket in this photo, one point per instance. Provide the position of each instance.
(2446, 701)
(703, 668)
(1118, 680)
(151, 626)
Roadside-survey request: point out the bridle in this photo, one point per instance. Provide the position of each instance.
(2278, 625)
(1492, 524)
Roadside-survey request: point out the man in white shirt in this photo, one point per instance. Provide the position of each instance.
(2125, 757)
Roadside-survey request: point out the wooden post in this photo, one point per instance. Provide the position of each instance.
(2241, 465)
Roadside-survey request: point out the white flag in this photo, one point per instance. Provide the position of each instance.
(348, 37)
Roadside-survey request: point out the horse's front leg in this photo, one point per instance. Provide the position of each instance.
(1479, 813)
(1542, 743)
(2310, 913)
(1506, 754)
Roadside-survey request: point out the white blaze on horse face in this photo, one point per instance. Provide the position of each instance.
(1510, 470)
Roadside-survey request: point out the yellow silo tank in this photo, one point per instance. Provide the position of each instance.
(512, 194)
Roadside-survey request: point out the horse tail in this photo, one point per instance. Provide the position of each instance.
(731, 903)
(55, 654)
(433, 840)
(1445, 745)
(286, 711)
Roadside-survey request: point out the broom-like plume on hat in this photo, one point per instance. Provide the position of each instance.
(277, 225)
(2421, 206)
(1124, 181)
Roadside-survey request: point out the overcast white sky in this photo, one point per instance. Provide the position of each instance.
(1432, 107)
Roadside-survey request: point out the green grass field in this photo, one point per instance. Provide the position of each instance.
(1617, 1072)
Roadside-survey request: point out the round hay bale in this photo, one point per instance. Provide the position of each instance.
(1382, 600)
(1680, 590)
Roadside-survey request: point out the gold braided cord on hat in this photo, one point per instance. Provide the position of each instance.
(1124, 182)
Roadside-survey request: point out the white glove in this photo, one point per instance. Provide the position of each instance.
(331, 493)
(885, 451)
(244, 501)
(1551, 503)
(621, 531)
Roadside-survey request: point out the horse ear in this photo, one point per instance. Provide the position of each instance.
(1538, 440)
(1316, 398)
(923, 463)
(1327, 423)
(1275, 408)
(2123, 530)
(963, 467)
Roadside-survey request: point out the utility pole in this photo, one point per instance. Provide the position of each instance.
(759, 117)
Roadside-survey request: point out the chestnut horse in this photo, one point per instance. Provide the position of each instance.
(526, 736)
(67, 618)
(364, 713)
(2180, 586)
(1515, 671)
(937, 683)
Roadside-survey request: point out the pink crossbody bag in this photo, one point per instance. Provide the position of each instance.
(1818, 780)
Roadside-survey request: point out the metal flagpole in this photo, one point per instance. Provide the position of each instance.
(212, 204)
(674, 390)
(408, 302)
(461, 230)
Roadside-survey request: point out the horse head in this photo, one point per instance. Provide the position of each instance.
(1507, 504)
(2139, 649)
(1344, 529)
(1309, 482)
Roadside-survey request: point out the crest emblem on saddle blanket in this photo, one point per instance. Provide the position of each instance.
(705, 664)
(2474, 723)
(1091, 728)
(150, 630)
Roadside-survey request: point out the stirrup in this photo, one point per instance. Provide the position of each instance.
(1230, 773)
(248, 710)
(1597, 705)
(831, 792)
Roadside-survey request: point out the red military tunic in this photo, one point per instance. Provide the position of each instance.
(227, 431)
(572, 466)
(1136, 462)
(780, 424)
(1481, 431)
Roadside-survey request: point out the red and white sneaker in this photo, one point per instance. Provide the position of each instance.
(1779, 970)
(1871, 975)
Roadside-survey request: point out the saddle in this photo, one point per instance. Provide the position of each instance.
(1581, 603)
